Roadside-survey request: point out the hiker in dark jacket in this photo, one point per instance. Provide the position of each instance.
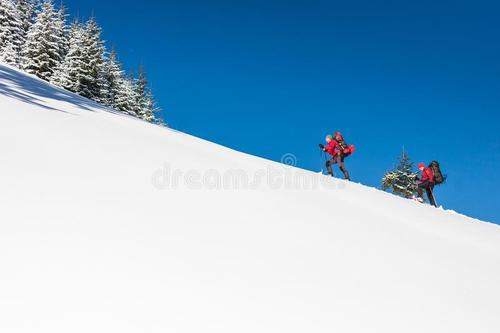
(427, 183)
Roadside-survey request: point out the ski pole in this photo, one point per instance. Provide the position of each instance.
(321, 159)
(433, 197)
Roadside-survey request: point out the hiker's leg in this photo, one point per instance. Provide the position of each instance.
(430, 195)
(340, 161)
(329, 164)
(420, 190)
(427, 186)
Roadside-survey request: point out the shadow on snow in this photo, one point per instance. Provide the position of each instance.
(29, 89)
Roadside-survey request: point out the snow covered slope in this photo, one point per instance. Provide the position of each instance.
(110, 224)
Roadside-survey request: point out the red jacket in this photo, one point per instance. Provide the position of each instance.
(427, 175)
(332, 148)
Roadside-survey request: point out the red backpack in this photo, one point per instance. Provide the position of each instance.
(344, 147)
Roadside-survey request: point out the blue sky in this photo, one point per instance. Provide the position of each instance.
(273, 77)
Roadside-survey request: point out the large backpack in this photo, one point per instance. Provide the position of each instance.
(344, 147)
(439, 178)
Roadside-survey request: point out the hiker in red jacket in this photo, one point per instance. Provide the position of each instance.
(427, 183)
(336, 150)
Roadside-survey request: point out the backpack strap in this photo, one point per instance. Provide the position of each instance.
(342, 144)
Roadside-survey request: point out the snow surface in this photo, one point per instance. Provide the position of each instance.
(93, 238)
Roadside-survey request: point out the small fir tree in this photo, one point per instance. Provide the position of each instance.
(402, 180)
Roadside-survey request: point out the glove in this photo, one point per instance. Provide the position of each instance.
(321, 146)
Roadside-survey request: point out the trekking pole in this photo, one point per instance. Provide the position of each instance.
(433, 197)
(321, 159)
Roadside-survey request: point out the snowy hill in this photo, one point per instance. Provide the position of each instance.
(111, 224)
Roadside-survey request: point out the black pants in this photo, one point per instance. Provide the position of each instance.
(339, 159)
(428, 187)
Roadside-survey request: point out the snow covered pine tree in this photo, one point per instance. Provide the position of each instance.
(145, 102)
(402, 180)
(11, 33)
(41, 53)
(67, 75)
